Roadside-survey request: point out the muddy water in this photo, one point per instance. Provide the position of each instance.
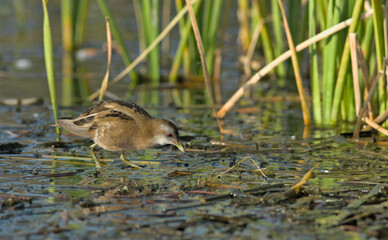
(51, 189)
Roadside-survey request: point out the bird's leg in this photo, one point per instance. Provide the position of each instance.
(98, 165)
(129, 163)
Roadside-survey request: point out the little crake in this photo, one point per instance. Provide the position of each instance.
(121, 126)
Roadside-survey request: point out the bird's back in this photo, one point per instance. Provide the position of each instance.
(105, 113)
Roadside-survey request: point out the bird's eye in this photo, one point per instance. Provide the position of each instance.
(170, 135)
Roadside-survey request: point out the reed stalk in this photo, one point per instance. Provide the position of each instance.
(211, 40)
(117, 36)
(330, 59)
(380, 51)
(244, 34)
(20, 13)
(80, 23)
(182, 46)
(166, 13)
(313, 50)
(278, 38)
(295, 16)
(67, 25)
(146, 51)
(205, 20)
(140, 25)
(295, 64)
(203, 60)
(321, 12)
(368, 39)
(49, 61)
(68, 84)
(150, 28)
(270, 66)
(185, 27)
(344, 66)
(104, 83)
(265, 37)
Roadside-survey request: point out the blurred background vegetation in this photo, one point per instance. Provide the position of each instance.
(240, 38)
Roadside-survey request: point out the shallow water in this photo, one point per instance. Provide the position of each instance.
(55, 192)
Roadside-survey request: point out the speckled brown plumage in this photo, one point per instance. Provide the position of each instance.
(121, 126)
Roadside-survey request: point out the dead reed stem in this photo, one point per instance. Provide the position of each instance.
(295, 65)
(203, 60)
(305, 178)
(104, 83)
(356, 80)
(356, 133)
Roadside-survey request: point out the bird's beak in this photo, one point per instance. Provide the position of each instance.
(179, 146)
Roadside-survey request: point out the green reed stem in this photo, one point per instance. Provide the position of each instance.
(211, 40)
(80, 23)
(329, 59)
(367, 38)
(313, 50)
(344, 66)
(139, 23)
(322, 13)
(49, 60)
(295, 12)
(67, 8)
(205, 19)
(278, 37)
(156, 72)
(179, 6)
(379, 42)
(151, 31)
(265, 37)
(20, 13)
(186, 49)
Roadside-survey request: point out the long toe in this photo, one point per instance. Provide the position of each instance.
(129, 163)
(95, 159)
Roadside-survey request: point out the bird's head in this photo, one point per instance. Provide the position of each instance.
(166, 133)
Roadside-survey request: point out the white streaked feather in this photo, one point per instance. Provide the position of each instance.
(68, 124)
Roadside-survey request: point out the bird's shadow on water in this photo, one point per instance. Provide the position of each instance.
(218, 188)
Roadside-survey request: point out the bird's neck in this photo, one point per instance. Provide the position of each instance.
(150, 132)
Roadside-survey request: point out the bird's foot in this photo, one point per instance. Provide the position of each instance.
(129, 163)
(98, 164)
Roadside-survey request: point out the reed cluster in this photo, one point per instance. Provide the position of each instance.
(321, 27)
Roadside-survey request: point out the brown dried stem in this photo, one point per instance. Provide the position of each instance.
(356, 133)
(203, 60)
(104, 83)
(295, 65)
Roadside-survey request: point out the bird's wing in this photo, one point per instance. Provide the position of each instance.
(129, 109)
(79, 126)
(116, 112)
